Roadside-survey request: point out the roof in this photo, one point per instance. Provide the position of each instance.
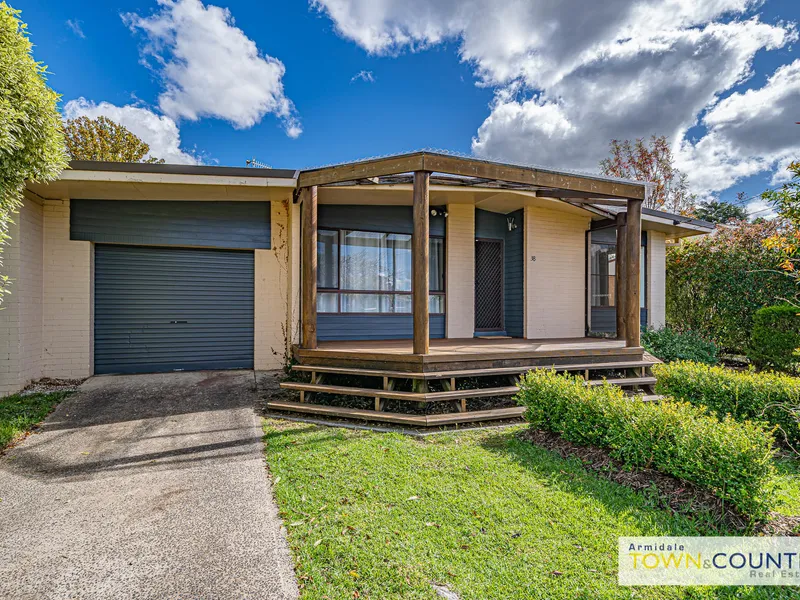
(171, 169)
(555, 183)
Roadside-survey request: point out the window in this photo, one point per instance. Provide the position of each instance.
(603, 257)
(370, 272)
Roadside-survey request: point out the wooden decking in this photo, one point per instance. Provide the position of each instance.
(466, 354)
(384, 369)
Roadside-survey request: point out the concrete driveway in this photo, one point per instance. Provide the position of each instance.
(144, 486)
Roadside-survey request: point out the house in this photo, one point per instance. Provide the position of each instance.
(412, 263)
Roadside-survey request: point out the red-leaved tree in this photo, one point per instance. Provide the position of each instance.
(650, 161)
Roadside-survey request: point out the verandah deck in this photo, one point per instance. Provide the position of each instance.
(466, 354)
(386, 362)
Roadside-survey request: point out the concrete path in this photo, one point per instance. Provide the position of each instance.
(144, 486)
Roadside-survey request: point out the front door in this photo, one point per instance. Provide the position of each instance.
(488, 285)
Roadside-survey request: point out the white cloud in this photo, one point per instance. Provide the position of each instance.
(75, 26)
(758, 209)
(158, 131)
(570, 76)
(210, 68)
(363, 76)
(747, 133)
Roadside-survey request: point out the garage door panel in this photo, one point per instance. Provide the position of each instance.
(165, 309)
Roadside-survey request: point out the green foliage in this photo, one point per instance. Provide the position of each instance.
(714, 285)
(669, 344)
(106, 140)
(715, 211)
(31, 142)
(731, 459)
(18, 414)
(776, 338)
(768, 397)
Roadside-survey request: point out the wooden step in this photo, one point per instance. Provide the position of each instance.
(395, 395)
(401, 418)
(480, 372)
(624, 382)
(649, 397)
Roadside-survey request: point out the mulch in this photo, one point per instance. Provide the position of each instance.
(670, 492)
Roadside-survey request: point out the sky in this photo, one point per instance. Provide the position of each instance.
(298, 84)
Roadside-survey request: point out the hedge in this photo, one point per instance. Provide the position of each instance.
(732, 459)
(776, 337)
(768, 397)
(716, 283)
(669, 345)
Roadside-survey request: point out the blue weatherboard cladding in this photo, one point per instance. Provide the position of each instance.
(234, 225)
(385, 219)
(165, 309)
(373, 327)
(514, 266)
(604, 318)
(490, 225)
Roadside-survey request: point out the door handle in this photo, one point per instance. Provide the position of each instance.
(176, 322)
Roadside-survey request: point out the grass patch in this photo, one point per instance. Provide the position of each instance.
(483, 512)
(788, 486)
(19, 414)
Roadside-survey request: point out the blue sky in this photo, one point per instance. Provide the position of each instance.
(544, 83)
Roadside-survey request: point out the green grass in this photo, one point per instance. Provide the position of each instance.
(19, 414)
(485, 513)
(788, 484)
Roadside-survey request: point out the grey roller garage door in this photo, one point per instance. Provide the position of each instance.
(165, 309)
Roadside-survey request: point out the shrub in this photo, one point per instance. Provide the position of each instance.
(776, 337)
(733, 460)
(714, 285)
(669, 345)
(768, 397)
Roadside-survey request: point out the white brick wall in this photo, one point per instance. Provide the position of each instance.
(656, 278)
(555, 283)
(21, 317)
(10, 313)
(273, 305)
(67, 297)
(460, 271)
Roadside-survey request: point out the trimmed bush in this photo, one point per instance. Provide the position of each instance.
(731, 459)
(776, 338)
(768, 397)
(670, 345)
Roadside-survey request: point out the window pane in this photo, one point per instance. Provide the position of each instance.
(603, 263)
(326, 303)
(436, 263)
(375, 261)
(435, 304)
(328, 259)
(366, 303)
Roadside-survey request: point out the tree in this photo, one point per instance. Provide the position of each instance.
(715, 211)
(716, 283)
(106, 140)
(31, 140)
(786, 201)
(651, 162)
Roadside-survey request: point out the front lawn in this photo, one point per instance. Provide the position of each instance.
(373, 515)
(20, 413)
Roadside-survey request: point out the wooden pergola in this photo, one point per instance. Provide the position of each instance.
(570, 187)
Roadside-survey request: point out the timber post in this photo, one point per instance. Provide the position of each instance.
(633, 243)
(309, 272)
(620, 276)
(419, 262)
